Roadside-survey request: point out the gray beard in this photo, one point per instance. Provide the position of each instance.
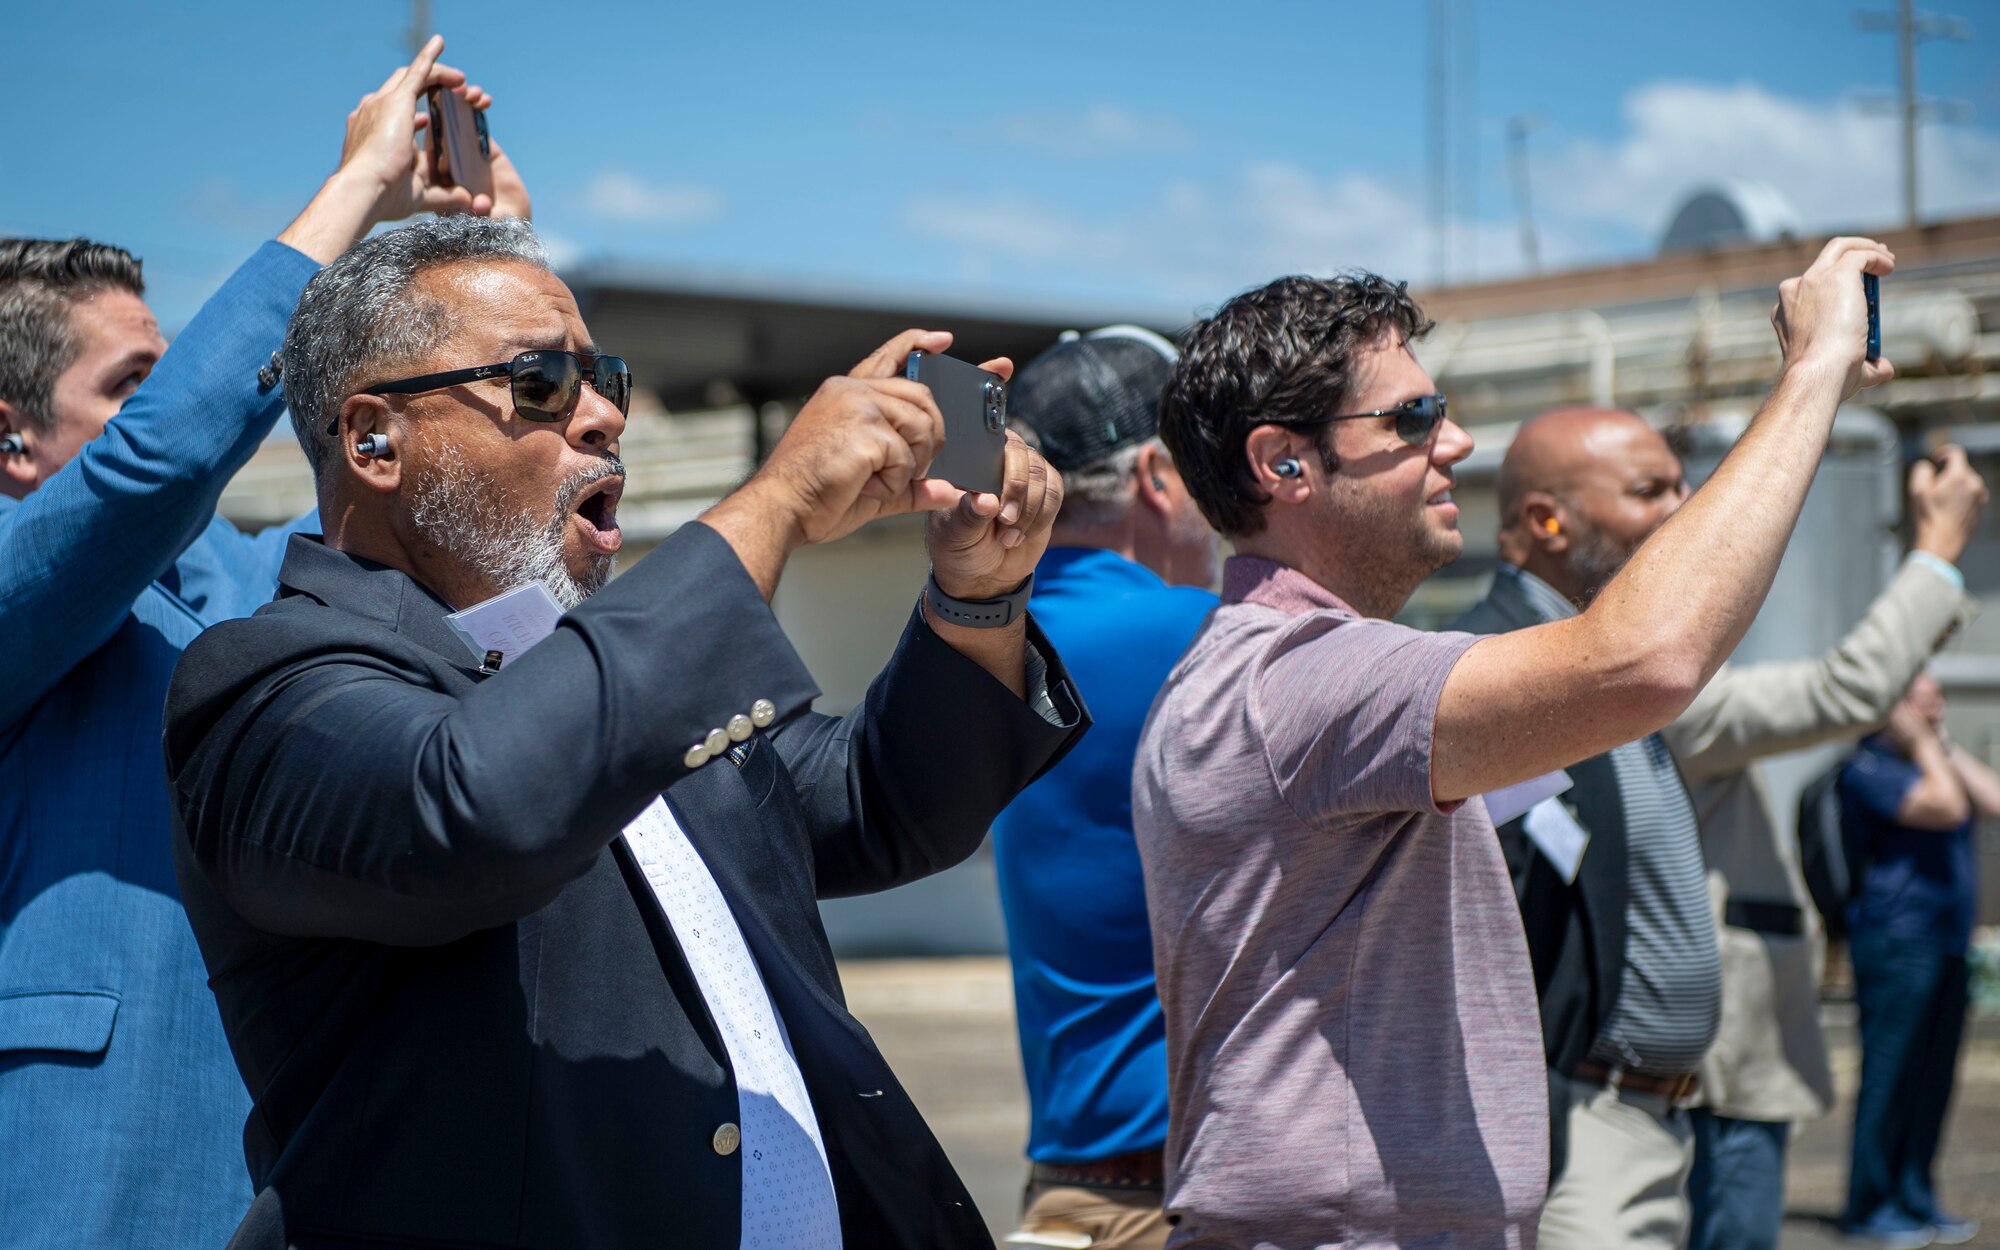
(452, 507)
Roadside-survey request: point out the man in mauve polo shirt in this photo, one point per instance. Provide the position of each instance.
(1353, 1049)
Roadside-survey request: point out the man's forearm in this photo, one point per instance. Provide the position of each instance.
(1692, 590)
(1981, 786)
(337, 217)
(1938, 800)
(760, 529)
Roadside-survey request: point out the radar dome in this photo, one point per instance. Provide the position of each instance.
(1731, 213)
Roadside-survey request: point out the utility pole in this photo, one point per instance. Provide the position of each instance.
(1910, 26)
(420, 25)
(1440, 188)
(1468, 136)
(1518, 129)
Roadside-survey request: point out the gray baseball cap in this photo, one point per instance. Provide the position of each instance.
(1094, 393)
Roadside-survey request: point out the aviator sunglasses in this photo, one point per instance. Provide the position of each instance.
(1416, 419)
(546, 384)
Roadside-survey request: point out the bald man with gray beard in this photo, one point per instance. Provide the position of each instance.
(1580, 490)
(1623, 945)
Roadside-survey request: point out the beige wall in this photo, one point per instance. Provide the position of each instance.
(844, 605)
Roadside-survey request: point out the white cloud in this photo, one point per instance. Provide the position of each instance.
(615, 195)
(563, 250)
(1203, 241)
(1099, 130)
(1836, 165)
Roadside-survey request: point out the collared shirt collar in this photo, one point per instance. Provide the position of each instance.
(1547, 602)
(1096, 562)
(375, 591)
(1253, 579)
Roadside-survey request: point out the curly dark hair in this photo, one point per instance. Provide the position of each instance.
(1282, 351)
(40, 281)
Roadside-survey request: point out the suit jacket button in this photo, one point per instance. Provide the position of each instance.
(697, 756)
(717, 742)
(762, 713)
(727, 1138)
(740, 727)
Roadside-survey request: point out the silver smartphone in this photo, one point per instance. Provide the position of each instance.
(974, 405)
(460, 145)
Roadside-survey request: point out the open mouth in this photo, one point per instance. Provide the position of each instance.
(596, 509)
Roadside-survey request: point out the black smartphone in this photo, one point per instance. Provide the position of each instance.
(1871, 286)
(974, 405)
(461, 148)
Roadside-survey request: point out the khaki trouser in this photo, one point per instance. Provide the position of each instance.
(1112, 1219)
(1624, 1186)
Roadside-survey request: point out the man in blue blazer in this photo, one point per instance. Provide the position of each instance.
(121, 1113)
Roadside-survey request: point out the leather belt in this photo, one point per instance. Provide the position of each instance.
(1782, 919)
(1142, 1169)
(1675, 1089)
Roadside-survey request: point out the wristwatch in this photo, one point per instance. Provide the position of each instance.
(979, 613)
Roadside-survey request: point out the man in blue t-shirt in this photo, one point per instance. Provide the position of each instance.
(1121, 591)
(1909, 798)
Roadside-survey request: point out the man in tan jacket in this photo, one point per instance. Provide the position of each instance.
(1768, 1066)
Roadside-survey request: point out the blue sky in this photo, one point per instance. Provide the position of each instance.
(1150, 156)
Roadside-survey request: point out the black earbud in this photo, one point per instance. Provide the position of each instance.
(375, 446)
(1159, 483)
(13, 445)
(1288, 467)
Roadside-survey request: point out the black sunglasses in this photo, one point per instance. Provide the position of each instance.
(546, 384)
(1416, 419)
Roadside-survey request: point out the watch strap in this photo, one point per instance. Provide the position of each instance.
(979, 613)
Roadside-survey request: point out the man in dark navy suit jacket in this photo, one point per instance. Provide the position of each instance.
(522, 950)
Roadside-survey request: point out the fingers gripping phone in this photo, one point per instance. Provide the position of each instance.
(974, 405)
(460, 143)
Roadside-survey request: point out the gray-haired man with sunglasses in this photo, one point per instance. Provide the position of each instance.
(1354, 1054)
(517, 944)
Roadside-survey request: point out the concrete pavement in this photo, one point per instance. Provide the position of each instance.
(947, 1027)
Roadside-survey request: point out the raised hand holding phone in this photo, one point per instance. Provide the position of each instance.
(383, 176)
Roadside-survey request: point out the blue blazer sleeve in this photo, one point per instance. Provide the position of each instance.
(134, 498)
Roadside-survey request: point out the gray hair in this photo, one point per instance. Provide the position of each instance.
(41, 280)
(1099, 493)
(364, 313)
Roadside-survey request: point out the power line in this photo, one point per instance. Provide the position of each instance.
(1518, 129)
(1911, 26)
(1440, 141)
(420, 25)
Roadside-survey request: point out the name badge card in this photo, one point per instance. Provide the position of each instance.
(507, 624)
(1556, 834)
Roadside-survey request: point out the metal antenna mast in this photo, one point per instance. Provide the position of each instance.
(1440, 119)
(420, 25)
(1910, 26)
(1518, 129)
(1468, 136)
